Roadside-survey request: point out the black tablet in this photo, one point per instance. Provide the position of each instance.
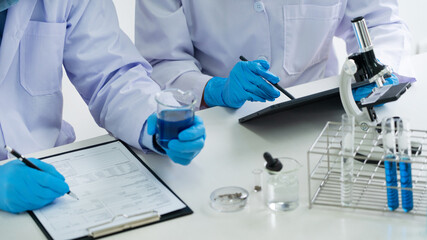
(298, 102)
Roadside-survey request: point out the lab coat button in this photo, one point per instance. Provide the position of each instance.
(259, 6)
(18, 34)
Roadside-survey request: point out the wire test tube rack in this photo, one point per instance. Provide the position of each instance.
(369, 190)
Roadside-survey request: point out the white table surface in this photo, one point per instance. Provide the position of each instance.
(232, 151)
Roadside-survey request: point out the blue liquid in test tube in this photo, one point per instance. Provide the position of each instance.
(389, 145)
(404, 143)
(391, 180)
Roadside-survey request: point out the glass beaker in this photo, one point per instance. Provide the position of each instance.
(282, 187)
(175, 112)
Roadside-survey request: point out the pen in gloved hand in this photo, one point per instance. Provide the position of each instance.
(31, 165)
(274, 84)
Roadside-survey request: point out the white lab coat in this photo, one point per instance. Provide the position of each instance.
(100, 60)
(189, 41)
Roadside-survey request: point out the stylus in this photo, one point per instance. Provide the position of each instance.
(274, 84)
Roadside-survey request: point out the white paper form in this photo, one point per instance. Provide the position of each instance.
(109, 181)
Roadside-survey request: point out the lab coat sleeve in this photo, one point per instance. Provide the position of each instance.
(389, 34)
(107, 70)
(163, 38)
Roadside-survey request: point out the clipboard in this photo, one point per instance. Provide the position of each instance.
(120, 222)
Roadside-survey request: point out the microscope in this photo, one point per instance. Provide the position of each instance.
(365, 68)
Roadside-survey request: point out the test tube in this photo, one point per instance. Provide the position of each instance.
(389, 145)
(257, 179)
(347, 149)
(404, 143)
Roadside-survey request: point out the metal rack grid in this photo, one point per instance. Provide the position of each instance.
(369, 186)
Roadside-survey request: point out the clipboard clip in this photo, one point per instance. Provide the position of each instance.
(122, 222)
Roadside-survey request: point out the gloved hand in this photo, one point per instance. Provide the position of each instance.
(189, 143)
(246, 81)
(364, 91)
(23, 188)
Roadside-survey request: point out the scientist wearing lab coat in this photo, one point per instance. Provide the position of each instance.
(38, 38)
(196, 44)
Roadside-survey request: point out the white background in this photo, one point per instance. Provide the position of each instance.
(76, 111)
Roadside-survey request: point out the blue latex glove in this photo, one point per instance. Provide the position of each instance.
(189, 143)
(23, 188)
(364, 91)
(246, 82)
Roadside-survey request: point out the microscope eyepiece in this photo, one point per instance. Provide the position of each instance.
(357, 19)
(362, 35)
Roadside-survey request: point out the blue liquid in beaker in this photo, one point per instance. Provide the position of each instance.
(170, 123)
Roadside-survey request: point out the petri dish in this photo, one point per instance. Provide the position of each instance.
(229, 199)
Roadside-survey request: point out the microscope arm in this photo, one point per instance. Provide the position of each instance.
(361, 117)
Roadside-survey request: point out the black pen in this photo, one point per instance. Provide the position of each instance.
(274, 84)
(31, 165)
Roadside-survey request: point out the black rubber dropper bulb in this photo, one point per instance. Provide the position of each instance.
(273, 164)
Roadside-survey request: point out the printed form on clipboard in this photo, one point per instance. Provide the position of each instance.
(117, 191)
